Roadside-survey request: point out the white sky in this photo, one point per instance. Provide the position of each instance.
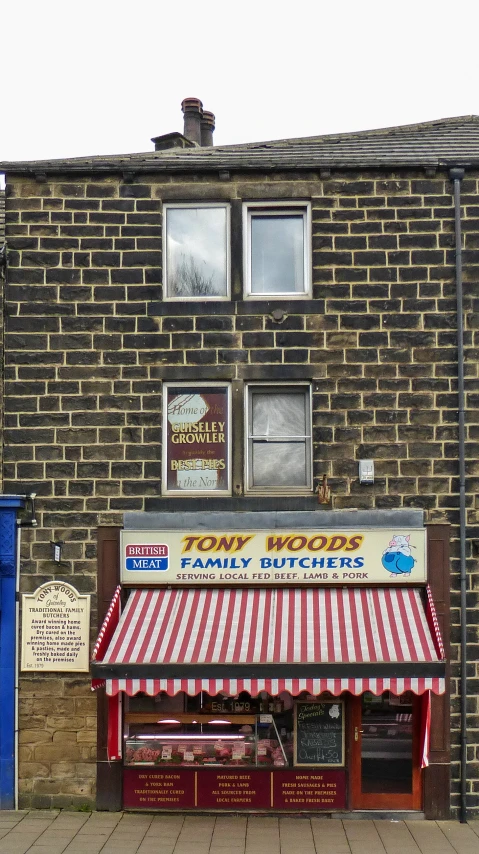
(104, 76)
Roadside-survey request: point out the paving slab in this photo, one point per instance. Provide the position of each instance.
(118, 833)
(461, 836)
(28, 825)
(17, 846)
(48, 849)
(81, 849)
(191, 849)
(429, 837)
(154, 848)
(225, 846)
(396, 837)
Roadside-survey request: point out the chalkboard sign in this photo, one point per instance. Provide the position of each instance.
(319, 733)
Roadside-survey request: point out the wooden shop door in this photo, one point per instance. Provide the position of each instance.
(384, 757)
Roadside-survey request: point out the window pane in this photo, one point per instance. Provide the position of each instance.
(277, 254)
(280, 464)
(279, 414)
(196, 252)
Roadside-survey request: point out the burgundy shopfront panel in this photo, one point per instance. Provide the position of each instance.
(235, 789)
(309, 790)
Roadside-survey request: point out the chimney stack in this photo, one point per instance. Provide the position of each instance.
(193, 113)
(207, 128)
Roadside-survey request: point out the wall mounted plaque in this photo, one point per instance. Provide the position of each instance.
(55, 629)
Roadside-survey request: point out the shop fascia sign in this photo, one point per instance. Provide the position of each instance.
(321, 556)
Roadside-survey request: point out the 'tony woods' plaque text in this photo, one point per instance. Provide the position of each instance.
(55, 629)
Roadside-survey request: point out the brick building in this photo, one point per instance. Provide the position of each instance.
(313, 280)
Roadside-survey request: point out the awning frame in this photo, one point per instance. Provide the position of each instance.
(373, 670)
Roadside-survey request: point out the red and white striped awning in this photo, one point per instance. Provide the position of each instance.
(274, 640)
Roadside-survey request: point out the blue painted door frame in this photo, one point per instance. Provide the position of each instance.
(9, 506)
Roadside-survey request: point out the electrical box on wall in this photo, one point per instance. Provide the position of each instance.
(366, 471)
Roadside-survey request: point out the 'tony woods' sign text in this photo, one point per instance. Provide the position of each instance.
(273, 557)
(55, 629)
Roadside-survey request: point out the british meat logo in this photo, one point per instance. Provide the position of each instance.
(145, 557)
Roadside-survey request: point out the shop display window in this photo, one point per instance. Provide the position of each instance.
(263, 731)
(207, 731)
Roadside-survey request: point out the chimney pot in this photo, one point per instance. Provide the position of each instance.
(207, 128)
(193, 112)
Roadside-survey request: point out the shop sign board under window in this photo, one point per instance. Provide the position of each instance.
(274, 557)
(196, 439)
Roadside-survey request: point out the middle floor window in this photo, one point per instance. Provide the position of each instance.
(278, 447)
(196, 251)
(200, 430)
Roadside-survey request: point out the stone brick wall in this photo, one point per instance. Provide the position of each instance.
(89, 342)
(57, 742)
(2, 217)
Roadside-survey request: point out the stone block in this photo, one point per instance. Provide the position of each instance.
(35, 770)
(58, 722)
(45, 687)
(53, 705)
(47, 787)
(77, 787)
(58, 750)
(33, 736)
(86, 737)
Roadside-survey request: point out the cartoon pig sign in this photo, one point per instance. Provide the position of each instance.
(397, 558)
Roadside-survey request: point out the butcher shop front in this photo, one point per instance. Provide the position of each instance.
(284, 669)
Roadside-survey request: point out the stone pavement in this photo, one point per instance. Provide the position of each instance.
(63, 832)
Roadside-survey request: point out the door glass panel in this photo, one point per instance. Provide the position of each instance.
(386, 743)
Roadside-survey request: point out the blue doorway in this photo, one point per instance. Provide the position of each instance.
(9, 506)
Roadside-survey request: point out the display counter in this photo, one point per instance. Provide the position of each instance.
(204, 740)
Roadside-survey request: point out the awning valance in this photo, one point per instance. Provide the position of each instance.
(274, 640)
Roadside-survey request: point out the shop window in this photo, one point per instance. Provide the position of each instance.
(278, 439)
(196, 251)
(206, 731)
(277, 249)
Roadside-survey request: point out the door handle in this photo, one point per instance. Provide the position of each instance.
(356, 733)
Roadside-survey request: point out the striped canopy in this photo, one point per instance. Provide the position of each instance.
(274, 640)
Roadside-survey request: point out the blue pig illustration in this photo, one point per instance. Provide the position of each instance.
(397, 558)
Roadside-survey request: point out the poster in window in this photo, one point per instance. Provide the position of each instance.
(196, 431)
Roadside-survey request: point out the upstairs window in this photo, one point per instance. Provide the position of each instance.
(277, 249)
(196, 251)
(278, 439)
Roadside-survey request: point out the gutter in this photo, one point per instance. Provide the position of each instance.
(43, 171)
(457, 174)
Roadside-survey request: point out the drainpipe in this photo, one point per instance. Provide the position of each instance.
(456, 176)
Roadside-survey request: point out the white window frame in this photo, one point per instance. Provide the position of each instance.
(248, 439)
(187, 493)
(277, 209)
(198, 205)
